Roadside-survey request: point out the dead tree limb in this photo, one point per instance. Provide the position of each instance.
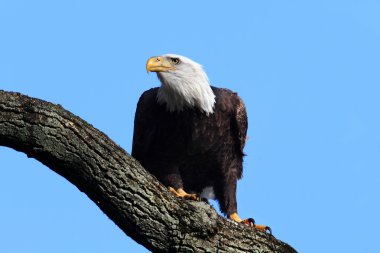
(117, 183)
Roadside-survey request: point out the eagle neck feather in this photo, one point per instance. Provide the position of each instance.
(177, 93)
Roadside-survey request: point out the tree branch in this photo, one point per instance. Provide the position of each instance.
(117, 183)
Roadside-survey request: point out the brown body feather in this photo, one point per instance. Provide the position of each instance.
(191, 150)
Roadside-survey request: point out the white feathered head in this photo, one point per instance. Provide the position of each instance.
(183, 83)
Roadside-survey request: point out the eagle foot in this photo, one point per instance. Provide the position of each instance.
(251, 223)
(182, 194)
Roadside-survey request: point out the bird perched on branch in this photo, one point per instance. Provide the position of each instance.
(191, 135)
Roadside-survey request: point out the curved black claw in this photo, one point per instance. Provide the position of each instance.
(250, 222)
(205, 200)
(268, 230)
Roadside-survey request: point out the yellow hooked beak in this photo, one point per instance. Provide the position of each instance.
(158, 64)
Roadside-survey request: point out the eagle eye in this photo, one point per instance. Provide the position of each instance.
(175, 61)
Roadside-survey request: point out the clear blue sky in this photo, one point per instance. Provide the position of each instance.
(308, 71)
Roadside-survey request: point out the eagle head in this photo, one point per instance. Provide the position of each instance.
(183, 83)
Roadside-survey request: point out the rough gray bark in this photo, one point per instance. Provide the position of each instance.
(117, 183)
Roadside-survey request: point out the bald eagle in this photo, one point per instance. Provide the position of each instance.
(191, 135)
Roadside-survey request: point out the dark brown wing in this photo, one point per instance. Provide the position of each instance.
(240, 123)
(144, 128)
(239, 126)
(231, 102)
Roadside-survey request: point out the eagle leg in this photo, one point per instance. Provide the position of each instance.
(250, 222)
(182, 194)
